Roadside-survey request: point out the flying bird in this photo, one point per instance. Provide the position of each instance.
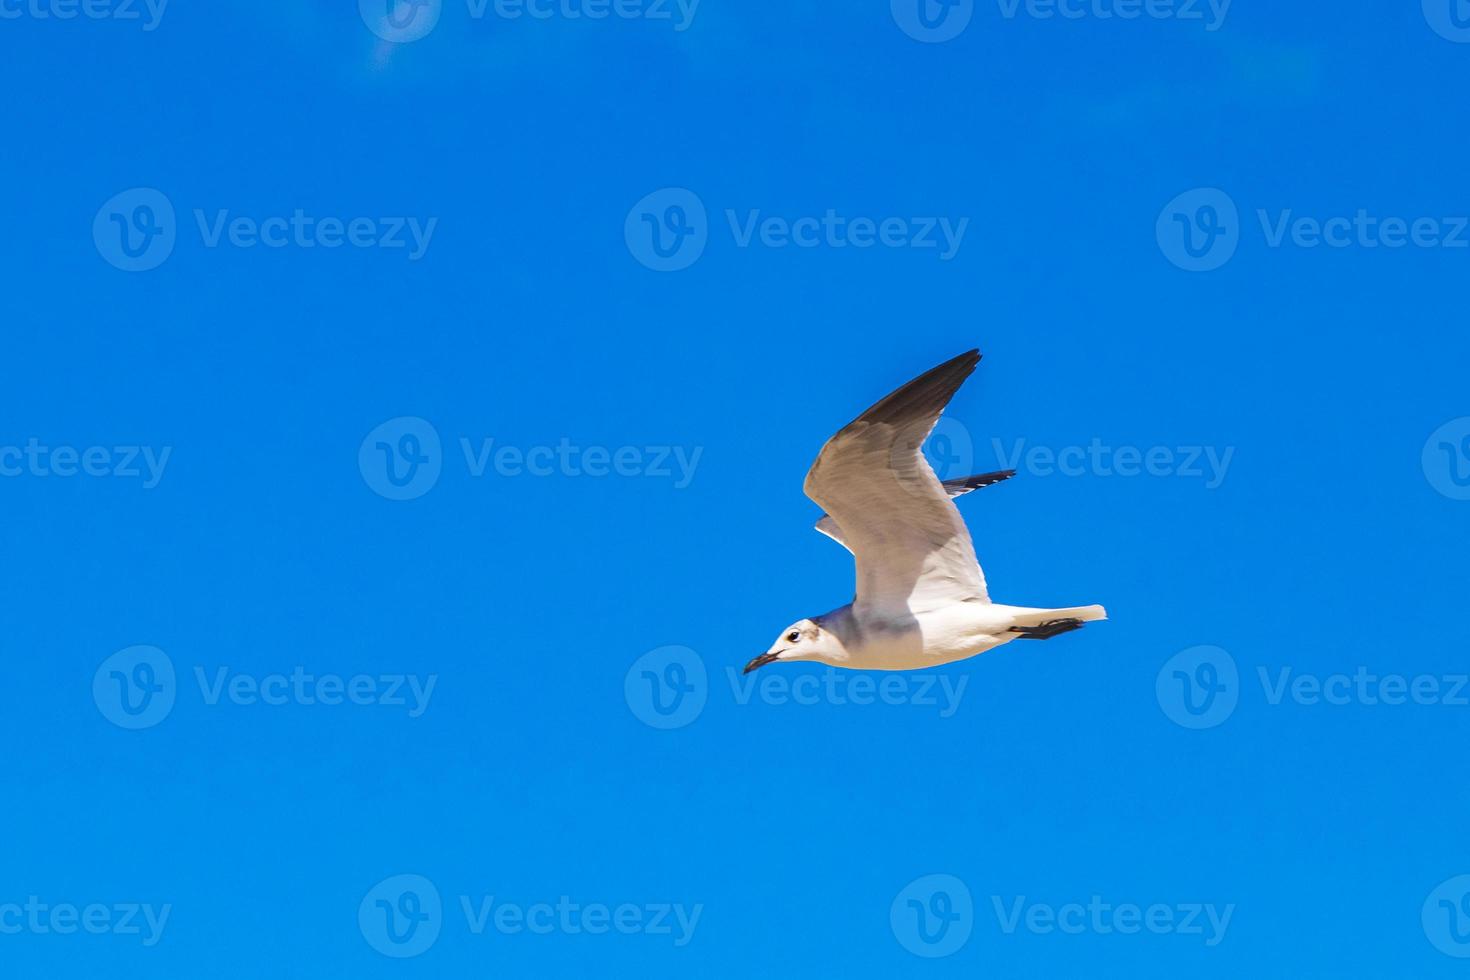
(921, 596)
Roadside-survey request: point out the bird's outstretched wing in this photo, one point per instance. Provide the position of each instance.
(909, 542)
(954, 488)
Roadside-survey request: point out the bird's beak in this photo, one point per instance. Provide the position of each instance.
(761, 661)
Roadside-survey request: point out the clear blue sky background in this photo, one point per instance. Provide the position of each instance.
(528, 320)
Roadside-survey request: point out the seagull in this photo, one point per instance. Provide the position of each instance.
(921, 596)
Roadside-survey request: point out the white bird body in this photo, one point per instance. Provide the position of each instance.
(931, 637)
(921, 598)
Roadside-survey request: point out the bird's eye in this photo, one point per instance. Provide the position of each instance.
(793, 636)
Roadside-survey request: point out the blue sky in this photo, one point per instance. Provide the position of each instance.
(383, 499)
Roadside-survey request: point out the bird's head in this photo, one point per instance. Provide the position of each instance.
(802, 640)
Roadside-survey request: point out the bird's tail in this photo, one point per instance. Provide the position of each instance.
(1035, 617)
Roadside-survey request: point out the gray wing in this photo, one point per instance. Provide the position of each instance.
(909, 542)
(955, 488)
